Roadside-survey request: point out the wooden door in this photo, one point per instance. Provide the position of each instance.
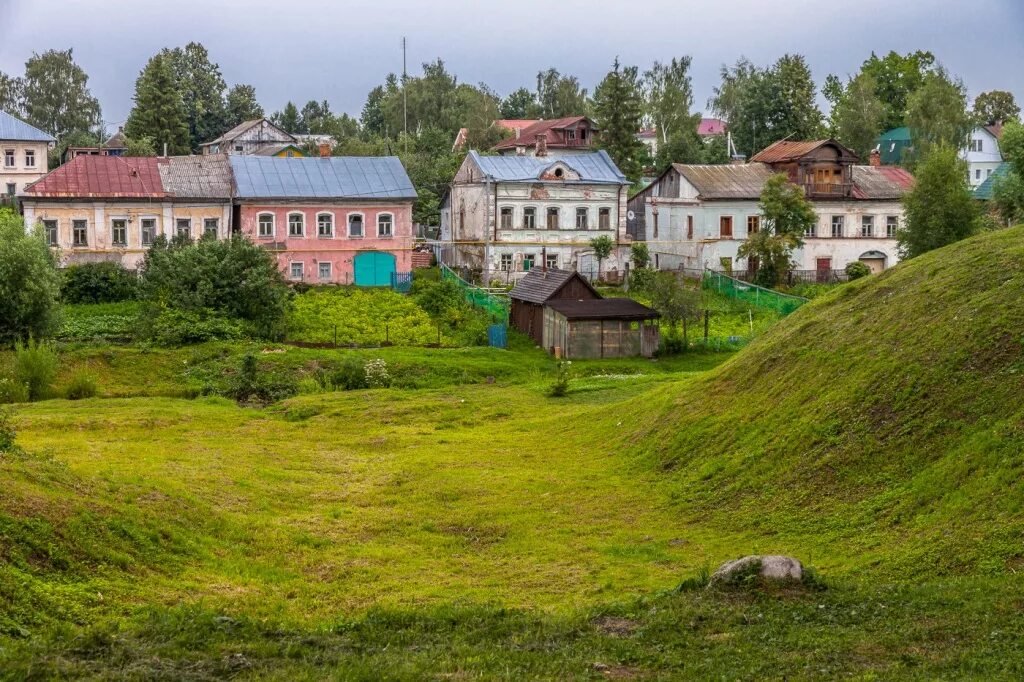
(824, 267)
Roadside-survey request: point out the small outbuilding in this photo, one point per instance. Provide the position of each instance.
(565, 315)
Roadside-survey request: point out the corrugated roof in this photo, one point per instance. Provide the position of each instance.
(595, 167)
(528, 135)
(711, 126)
(197, 177)
(602, 309)
(14, 129)
(89, 176)
(241, 128)
(271, 150)
(881, 182)
(726, 181)
(539, 285)
(790, 150)
(985, 189)
(334, 177)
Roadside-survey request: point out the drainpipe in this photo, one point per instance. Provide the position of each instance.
(487, 235)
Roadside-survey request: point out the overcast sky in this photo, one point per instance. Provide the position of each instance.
(338, 50)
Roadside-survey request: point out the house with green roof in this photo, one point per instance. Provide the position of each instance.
(984, 191)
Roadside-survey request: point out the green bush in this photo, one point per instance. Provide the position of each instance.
(252, 384)
(174, 327)
(98, 283)
(642, 279)
(362, 317)
(856, 270)
(82, 385)
(29, 281)
(7, 433)
(12, 391)
(349, 376)
(35, 367)
(87, 322)
(560, 387)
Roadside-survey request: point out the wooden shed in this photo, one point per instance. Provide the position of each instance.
(600, 328)
(538, 287)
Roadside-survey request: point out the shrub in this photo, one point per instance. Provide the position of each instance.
(640, 255)
(87, 322)
(7, 433)
(253, 384)
(377, 374)
(232, 279)
(12, 391)
(439, 298)
(182, 327)
(98, 283)
(82, 385)
(642, 279)
(29, 281)
(561, 385)
(856, 270)
(350, 376)
(35, 367)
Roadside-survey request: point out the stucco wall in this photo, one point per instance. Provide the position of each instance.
(21, 174)
(339, 250)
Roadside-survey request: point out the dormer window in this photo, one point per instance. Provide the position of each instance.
(559, 173)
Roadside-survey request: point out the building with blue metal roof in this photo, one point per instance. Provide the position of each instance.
(505, 215)
(24, 149)
(331, 177)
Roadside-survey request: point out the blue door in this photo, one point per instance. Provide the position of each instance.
(374, 268)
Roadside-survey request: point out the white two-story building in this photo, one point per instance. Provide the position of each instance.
(697, 216)
(504, 215)
(24, 150)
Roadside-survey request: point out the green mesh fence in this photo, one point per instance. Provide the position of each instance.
(496, 306)
(751, 293)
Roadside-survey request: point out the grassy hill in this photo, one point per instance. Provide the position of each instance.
(459, 529)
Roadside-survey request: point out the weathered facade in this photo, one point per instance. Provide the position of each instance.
(250, 137)
(24, 149)
(567, 136)
(342, 220)
(539, 287)
(697, 217)
(505, 215)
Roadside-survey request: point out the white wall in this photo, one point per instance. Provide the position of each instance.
(981, 163)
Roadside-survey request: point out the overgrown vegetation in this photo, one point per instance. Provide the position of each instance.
(29, 282)
(105, 282)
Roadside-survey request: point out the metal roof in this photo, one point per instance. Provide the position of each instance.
(540, 284)
(595, 167)
(726, 181)
(711, 126)
(791, 150)
(527, 136)
(881, 182)
(14, 129)
(334, 177)
(197, 177)
(89, 176)
(602, 309)
(985, 189)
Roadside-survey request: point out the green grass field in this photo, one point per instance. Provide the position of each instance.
(456, 528)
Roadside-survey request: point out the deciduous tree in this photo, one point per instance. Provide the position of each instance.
(520, 104)
(289, 119)
(996, 106)
(29, 281)
(857, 116)
(1009, 189)
(897, 77)
(937, 113)
(56, 95)
(11, 94)
(939, 209)
(559, 96)
(786, 216)
(669, 94)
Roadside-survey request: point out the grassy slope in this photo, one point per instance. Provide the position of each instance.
(877, 433)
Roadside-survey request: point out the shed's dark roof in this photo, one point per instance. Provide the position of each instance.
(540, 285)
(602, 309)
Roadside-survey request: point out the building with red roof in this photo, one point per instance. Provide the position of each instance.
(569, 135)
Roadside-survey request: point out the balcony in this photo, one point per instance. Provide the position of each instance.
(827, 189)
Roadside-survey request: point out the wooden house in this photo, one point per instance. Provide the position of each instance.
(539, 286)
(250, 137)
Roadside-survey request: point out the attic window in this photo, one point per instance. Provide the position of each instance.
(559, 173)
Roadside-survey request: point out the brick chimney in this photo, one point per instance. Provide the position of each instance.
(874, 158)
(542, 144)
(325, 150)
(520, 150)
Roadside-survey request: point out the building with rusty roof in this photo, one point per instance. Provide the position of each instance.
(697, 216)
(249, 137)
(569, 135)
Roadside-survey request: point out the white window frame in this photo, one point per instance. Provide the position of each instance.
(606, 210)
(505, 262)
(532, 257)
(320, 271)
(582, 212)
(119, 219)
(216, 227)
(323, 214)
(302, 225)
(12, 156)
(32, 153)
(291, 270)
(391, 223)
(841, 225)
(511, 217)
(142, 232)
(551, 261)
(259, 226)
(85, 232)
(892, 226)
(56, 231)
(362, 224)
(177, 226)
(527, 213)
(867, 224)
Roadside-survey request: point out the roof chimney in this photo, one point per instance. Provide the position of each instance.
(520, 150)
(325, 150)
(519, 132)
(874, 158)
(542, 144)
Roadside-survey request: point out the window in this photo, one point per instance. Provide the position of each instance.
(581, 218)
(325, 226)
(210, 227)
(977, 174)
(689, 227)
(529, 218)
(988, 172)
(811, 231)
(506, 262)
(867, 226)
(9, 158)
(552, 223)
(265, 222)
(355, 225)
(837, 226)
(384, 225)
(725, 227)
(753, 224)
(11, 188)
(183, 228)
(296, 271)
(654, 221)
(238, 148)
(604, 219)
(30, 158)
(119, 232)
(296, 225)
(148, 231)
(892, 224)
(506, 217)
(976, 145)
(50, 229)
(551, 260)
(324, 270)
(79, 233)
(527, 262)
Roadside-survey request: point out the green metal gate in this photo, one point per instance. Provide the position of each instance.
(374, 268)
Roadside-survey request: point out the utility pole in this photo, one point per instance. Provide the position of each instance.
(405, 100)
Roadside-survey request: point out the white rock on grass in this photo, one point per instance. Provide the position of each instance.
(769, 566)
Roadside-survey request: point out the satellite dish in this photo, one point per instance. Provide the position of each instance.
(630, 215)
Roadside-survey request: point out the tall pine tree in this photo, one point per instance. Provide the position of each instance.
(619, 110)
(159, 113)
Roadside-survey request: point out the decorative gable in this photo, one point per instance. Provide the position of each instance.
(558, 171)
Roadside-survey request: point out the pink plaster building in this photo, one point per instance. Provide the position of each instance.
(341, 220)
